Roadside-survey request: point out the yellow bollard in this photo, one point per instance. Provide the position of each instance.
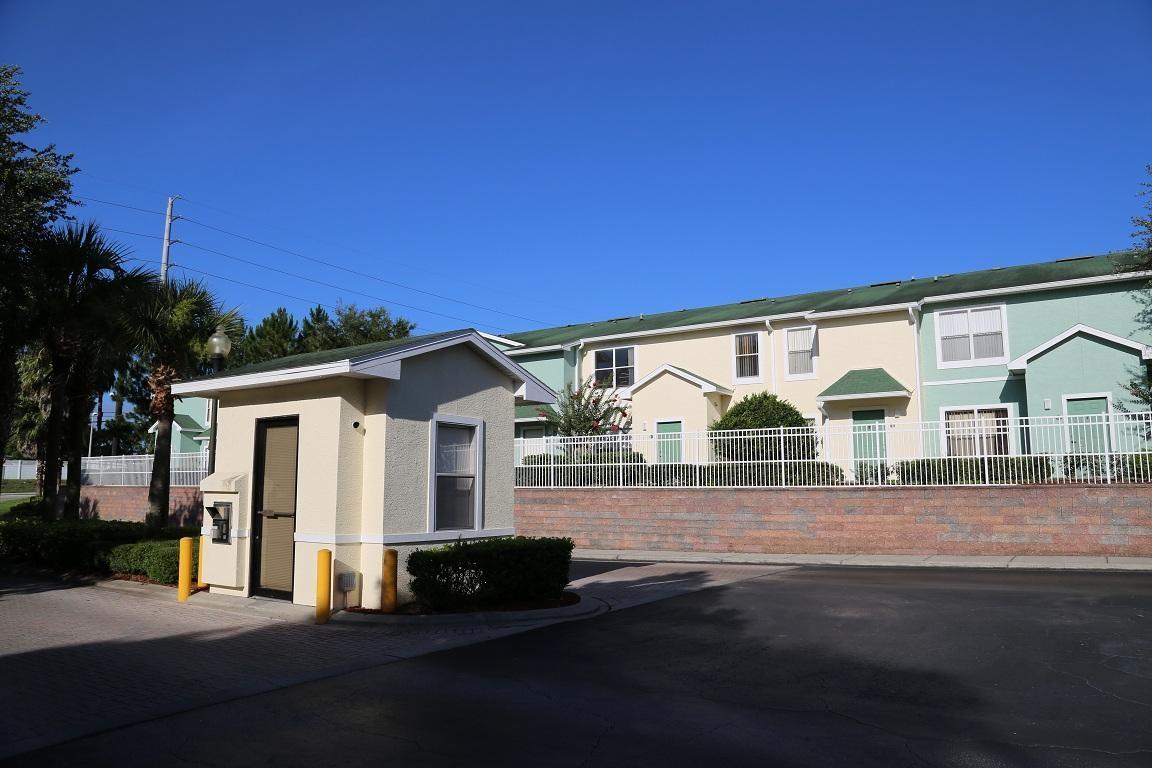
(388, 582)
(184, 583)
(323, 585)
(200, 583)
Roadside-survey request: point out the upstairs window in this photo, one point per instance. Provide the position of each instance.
(615, 367)
(971, 337)
(801, 351)
(747, 356)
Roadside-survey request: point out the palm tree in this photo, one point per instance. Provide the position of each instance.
(78, 290)
(171, 327)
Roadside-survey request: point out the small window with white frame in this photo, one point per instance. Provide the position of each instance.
(456, 492)
(801, 352)
(971, 336)
(615, 367)
(746, 351)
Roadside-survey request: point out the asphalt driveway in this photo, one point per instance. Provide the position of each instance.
(808, 667)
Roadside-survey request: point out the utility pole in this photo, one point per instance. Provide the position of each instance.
(168, 219)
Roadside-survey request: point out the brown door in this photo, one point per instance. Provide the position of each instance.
(274, 504)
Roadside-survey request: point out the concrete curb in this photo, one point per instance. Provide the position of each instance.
(1009, 562)
(589, 606)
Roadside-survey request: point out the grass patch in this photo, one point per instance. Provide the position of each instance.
(17, 486)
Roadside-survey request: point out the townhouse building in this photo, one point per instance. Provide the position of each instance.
(1054, 338)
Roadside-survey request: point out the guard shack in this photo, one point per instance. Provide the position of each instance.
(399, 444)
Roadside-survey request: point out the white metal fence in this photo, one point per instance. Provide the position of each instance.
(25, 469)
(187, 469)
(986, 451)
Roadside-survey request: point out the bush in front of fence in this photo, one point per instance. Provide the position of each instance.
(72, 545)
(1133, 468)
(159, 560)
(490, 572)
(974, 470)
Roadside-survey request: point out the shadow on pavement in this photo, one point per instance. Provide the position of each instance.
(799, 669)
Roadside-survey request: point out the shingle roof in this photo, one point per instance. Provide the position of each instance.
(878, 294)
(335, 355)
(862, 381)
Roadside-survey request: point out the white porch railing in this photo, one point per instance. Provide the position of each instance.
(1076, 449)
(187, 469)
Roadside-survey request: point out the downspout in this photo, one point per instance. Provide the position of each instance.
(914, 317)
(772, 352)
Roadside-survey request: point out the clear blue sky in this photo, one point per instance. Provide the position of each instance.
(571, 161)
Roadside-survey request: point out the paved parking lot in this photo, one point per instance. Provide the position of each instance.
(807, 666)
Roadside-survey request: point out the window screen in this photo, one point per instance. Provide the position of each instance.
(747, 355)
(455, 477)
(800, 347)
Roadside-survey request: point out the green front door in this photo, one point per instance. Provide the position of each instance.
(668, 447)
(869, 446)
(1088, 425)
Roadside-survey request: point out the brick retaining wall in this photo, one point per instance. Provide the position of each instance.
(115, 502)
(1012, 520)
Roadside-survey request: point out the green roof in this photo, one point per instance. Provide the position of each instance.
(862, 381)
(531, 411)
(335, 355)
(877, 294)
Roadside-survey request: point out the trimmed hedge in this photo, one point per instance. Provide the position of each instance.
(970, 470)
(74, 544)
(490, 572)
(158, 560)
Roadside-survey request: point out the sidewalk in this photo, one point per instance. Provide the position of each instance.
(1034, 562)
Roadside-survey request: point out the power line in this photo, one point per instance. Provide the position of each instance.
(174, 265)
(273, 269)
(329, 264)
(360, 274)
(119, 205)
(333, 285)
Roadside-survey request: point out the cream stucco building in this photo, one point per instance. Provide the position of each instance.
(399, 444)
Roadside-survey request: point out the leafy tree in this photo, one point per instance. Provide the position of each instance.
(588, 410)
(78, 289)
(364, 326)
(1140, 387)
(764, 410)
(171, 326)
(277, 335)
(35, 191)
(318, 332)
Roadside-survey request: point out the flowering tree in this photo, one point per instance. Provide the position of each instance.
(588, 410)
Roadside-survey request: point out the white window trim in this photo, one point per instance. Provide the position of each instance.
(625, 391)
(1013, 428)
(1113, 435)
(788, 375)
(759, 377)
(656, 433)
(984, 361)
(478, 511)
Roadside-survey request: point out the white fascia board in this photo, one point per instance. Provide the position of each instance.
(501, 340)
(860, 311)
(706, 387)
(534, 350)
(1118, 277)
(285, 376)
(1020, 364)
(690, 328)
(530, 392)
(865, 396)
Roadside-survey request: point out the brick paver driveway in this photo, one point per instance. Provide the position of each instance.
(80, 660)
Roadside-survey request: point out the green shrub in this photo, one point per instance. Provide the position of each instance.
(950, 471)
(488, 572)
(767, 473)
(1019, 469)
(26, 509)
(763, 410)
(158, 560)
(74, 544)
(1133, 468)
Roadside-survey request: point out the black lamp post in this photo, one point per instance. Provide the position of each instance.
(219, 345)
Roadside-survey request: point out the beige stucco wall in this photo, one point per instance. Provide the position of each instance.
(359, 486)
(885, 340)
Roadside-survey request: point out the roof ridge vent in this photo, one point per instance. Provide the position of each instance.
(753, 301)
(890, 282)
(1073, 258)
